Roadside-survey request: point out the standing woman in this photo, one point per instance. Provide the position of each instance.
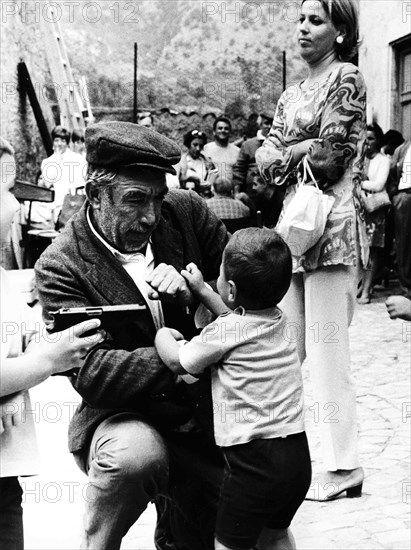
(323, 119)
(376, 170)
(193, 164)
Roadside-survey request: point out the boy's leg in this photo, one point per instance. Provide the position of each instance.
(276, 539)
(11, 514)
(265, 482)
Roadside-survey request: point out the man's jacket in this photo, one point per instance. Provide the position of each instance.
(126, 374)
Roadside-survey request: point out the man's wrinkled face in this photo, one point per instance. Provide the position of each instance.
(127, 213)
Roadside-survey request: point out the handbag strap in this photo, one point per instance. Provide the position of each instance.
(308, 173)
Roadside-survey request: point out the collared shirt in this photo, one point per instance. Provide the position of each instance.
(227, 207)
(138, 266)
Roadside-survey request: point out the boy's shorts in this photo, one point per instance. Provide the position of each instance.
(265, 481)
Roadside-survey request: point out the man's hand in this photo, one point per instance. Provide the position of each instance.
(399, 307)
(168, 285)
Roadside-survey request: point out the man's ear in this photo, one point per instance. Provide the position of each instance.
(94, 195)
(232, 293)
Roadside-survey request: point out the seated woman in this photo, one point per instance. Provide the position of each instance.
(193, 165)
(377, 173)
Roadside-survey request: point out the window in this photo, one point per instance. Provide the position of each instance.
(401, 100)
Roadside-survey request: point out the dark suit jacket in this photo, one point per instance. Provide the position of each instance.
(246, 168)
(126, 374)
(397, 163)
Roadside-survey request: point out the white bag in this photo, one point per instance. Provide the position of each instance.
(304, 217)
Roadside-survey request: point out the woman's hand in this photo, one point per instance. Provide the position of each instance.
(12, 409)
(67, 350)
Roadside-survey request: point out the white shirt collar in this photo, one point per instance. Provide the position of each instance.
(123, 258)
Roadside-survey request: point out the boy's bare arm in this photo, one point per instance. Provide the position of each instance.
(206, 295)
(167, 347)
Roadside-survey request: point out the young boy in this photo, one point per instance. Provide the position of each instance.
(19, 371)
(256, 387)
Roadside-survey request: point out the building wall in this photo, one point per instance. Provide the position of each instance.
(381, 22)
(21, 40)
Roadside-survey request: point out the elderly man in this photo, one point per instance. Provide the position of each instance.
(138, 433)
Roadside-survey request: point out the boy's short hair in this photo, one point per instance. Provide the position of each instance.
(260, 264)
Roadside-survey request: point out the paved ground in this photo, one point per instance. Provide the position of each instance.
(381, 355)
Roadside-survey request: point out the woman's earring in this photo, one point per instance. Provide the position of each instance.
(339, 39)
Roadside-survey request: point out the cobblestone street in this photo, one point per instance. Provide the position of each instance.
(381, 357)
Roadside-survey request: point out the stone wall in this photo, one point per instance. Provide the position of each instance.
(21, 40)
(175, 124)
(381, 22)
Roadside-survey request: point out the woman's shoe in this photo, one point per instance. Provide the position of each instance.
(364, 300)
(350, 484)
(331, 491)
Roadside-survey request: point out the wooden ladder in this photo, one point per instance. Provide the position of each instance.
(70, 103)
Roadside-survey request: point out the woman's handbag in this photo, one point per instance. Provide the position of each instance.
(374, 201)
(303, 221)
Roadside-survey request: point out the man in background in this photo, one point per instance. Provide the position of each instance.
(222, 154)
(246, 167)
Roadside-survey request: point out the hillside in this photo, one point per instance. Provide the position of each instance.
(193, 55)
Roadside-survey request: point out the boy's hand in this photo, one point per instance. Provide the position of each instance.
(194, 278)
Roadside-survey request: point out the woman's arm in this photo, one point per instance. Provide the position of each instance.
(61, 352)
(342, 126)
(276, 158)
(378, 183)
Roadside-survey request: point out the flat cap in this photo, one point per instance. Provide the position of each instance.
(118, 144)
